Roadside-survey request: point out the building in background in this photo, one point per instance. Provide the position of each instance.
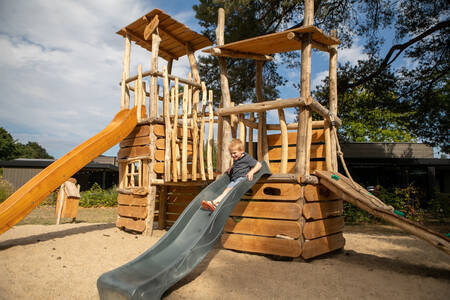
(397, 164)
(102, 170)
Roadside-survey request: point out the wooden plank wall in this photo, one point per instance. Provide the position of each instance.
(132, 211)
(317, 151)
(324, 222)
(266, 220)
(178, 198)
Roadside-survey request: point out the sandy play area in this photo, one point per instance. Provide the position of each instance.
(379, 262)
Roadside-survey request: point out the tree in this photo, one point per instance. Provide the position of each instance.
(11, 149)
(8, 147)
(421, 37)
(33, 150)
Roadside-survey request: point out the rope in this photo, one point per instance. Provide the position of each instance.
(374, 200)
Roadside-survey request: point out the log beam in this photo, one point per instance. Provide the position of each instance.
(236, 54)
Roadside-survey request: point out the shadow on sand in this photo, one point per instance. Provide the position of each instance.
(53, 235)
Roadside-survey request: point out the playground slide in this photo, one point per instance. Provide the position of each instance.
(27, 197)
(357, 195)
(180, 250)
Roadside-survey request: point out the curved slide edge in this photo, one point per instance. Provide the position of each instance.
(180, 250)
(28, 196)
(343, 188)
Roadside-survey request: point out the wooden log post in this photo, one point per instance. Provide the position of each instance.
(250, 135)
(162, 207)
(138, 97)
(226, 97)
(263, 148)
(125, 94)
(201, 143)
(167, 125)
(333, 98)
(219, 139)
(284, 142)
(184, 169)
(210, 136)
(195, 135)
(153, 107)
(304, 131)
(175, 132)
(242, 129)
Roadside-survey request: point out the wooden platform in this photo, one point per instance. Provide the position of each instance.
(277, 42)
(175, 36)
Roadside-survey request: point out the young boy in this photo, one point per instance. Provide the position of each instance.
(243, 166)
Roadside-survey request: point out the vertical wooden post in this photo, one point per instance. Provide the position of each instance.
(284, 141)
(162, 207)
(195, 143)
(125, 94)
(201, 143)
(304, 131)
(184, 171)
(263, 149)
(328, 161)
(175, 133)
(210, 136)
(219, 140)
(153, 107)
(60, 201)
(138, 93)
(241, 129)
(226, 97)
(167, 125)
(333, 98)
(250, 135)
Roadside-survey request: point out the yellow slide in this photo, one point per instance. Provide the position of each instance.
(358, 196)
(27, 197)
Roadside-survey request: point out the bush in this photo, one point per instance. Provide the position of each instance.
(439, 206)
(98, 197)
(6, 189)
(406, 200)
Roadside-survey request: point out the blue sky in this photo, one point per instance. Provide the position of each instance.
(61, 61)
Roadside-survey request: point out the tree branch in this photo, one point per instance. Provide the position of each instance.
(400, 48)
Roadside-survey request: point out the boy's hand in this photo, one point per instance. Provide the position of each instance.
(250, 176)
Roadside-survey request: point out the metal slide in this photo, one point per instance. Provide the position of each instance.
(28, 196)
(358, 196)
(180, 250)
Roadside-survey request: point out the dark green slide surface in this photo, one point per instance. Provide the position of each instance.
(180, 250)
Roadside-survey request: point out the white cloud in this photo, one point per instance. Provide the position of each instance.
(61, 64)
(352, 54)
(318, 79)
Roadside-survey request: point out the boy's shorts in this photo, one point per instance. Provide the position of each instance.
(233, 183)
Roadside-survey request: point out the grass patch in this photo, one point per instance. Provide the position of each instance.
(45, 215)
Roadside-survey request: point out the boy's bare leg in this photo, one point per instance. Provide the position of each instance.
(218, 199)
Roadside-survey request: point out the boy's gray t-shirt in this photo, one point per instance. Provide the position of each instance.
(242, 166)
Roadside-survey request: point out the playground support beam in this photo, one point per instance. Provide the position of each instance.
(304, 130)
(261, 106)
(226, 98)
(125, 94)
(235, 54)
(333, 97)
(263, 149)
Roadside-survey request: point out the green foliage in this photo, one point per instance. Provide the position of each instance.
(6, 189)
(98, 197)
(12, 149)
(413, 76)
(439, 205)
(8, 147)
(406, 200)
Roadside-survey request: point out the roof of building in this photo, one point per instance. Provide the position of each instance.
(175, 36)
(43, 163)
(278, 42)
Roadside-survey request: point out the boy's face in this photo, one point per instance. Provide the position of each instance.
(236, 153)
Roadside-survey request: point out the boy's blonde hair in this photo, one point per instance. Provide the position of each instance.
(236, 144)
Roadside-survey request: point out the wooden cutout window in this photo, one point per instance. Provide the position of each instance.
(134, 174)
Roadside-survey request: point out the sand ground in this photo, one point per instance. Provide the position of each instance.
(378, 262)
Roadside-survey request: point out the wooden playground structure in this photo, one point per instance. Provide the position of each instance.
(168, 158)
